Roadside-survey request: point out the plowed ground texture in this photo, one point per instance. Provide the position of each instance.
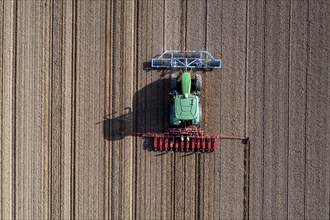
(74, 74)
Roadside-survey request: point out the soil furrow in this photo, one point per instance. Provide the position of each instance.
(256, 103)
(317, 150)
(232, 110)
(276, 109)
(90, 105)
(297, 110)
(8, 87)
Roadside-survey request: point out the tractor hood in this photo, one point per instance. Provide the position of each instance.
(186, 84)
(186, 108)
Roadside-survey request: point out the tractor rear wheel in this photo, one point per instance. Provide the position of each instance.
(198, 83)
(200, 114)
(173, 82)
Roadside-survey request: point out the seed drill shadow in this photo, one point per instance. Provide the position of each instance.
(113, 123)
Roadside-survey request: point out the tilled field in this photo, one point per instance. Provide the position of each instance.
(74, 76)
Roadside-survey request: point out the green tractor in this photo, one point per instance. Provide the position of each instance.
(185, 132)
(185, 105)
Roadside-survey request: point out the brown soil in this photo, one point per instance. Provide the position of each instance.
(74, 76)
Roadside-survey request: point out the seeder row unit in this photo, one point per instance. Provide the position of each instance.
(184, 139)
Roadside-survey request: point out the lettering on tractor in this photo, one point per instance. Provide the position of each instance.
(185, 132)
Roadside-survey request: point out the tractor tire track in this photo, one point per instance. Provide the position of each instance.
(276, 109)
(89, 159)
(210, 194)
(232, 88)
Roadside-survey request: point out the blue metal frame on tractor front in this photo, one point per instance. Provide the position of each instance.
(186, 59)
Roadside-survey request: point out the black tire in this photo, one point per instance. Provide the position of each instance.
(158, 63)
(173, 82)
(193, 55)
(171, 115)
(198, 83)
(214, 63)
(200, 114)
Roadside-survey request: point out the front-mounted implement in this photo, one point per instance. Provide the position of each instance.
(185, 132)
(187, 59)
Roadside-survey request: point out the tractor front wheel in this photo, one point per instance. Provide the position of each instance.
(173, 82)
(198, 83)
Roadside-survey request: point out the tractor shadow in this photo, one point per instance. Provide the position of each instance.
(149, 113)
